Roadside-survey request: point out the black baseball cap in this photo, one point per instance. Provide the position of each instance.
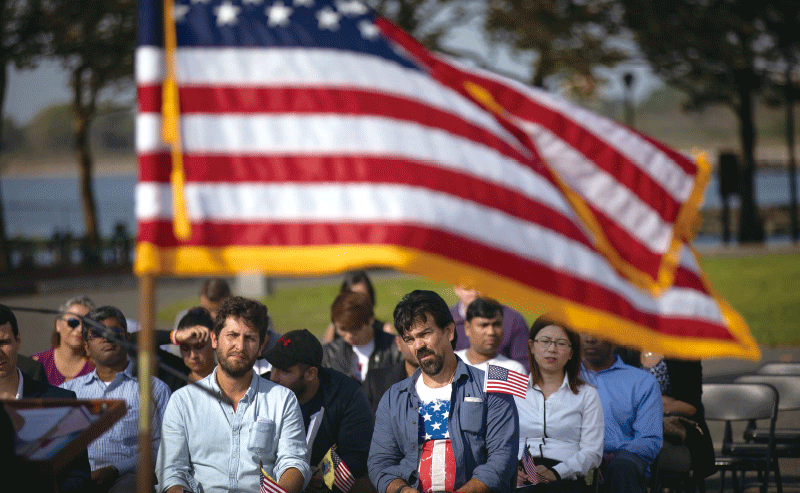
(297, 346)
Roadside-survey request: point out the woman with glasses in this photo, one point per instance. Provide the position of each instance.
(561, 419)
(67, 357)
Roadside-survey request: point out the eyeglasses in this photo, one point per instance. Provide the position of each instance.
(96, 333)
(73, 322)
(545, 342)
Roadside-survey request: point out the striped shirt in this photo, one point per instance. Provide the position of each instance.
(120, 444)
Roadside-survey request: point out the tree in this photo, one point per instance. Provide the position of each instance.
(566, 35)
(20, 45)
(717, 53)
(95, 40)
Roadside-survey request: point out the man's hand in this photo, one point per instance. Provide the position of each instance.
(103, 477)
(199, 332)
(316, 484)
(547, 473)
(522, 476)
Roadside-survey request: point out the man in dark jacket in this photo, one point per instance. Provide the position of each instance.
(334, 407)
(379, 380)
(360, 348)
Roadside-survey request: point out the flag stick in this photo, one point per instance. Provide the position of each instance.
(147, 306)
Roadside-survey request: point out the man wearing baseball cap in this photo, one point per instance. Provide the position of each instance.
(334, 407)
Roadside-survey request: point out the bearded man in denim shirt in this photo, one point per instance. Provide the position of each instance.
(436, 430)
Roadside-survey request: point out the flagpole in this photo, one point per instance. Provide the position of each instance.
(146, 342)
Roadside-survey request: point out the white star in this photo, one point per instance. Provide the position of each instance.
(226, 13)
(447, 434)
(368, 29)
(278, 14)
(351, 8)
(428, 437)
(445, 414)
(437, 406)
(436, 426)
(426, 417)
(328, 19)
(303, 3)
(254, 2)
(179, 12)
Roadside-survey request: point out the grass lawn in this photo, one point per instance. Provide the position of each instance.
(765, 289)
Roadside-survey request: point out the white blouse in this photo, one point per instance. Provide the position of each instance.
(565, 427)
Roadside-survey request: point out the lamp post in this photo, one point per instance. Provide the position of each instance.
(628, 79)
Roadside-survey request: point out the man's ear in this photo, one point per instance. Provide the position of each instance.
(450, 330)
(311, 374)
(214, 339)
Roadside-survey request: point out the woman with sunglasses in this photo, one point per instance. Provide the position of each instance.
(561, 424)
(67, 358)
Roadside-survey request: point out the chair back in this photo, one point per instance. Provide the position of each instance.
(788, 387)
(739, 401)
(779, 369)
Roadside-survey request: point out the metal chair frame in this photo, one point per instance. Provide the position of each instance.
(776, 368)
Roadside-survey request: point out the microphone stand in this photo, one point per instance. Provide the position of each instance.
(131, 349)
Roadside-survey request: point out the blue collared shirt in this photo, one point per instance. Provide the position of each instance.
(632, 408)
(119, 445)
(208, 445)
(484, 432)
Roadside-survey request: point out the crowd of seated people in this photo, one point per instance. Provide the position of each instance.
(293, 408)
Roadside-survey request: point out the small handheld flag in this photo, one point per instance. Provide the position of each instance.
(505, 381)
(335, 472)
(530, 468)
(267, 484)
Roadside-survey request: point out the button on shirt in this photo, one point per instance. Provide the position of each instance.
(208, 444)
(119, 445)
(566, 427)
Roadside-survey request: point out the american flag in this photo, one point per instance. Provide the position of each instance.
(318, 138)
(503, 380)
(268, 485)
(343, 478)
(530, 468)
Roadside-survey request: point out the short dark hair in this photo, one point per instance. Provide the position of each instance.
(102, 313)
(7, 317)
(351, 310)
(249, 311)
(416, 306)
(196, 316)
(355, 277)
(573, 366)
(484, 308)
(215, 289)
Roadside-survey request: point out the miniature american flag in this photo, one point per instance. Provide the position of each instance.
(268, 485)
(530, 468)
(503, 380)
(343, 478)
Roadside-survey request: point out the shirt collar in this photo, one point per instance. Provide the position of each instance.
(251, 390)
(127, 373)
(565, 383)
(461, 372)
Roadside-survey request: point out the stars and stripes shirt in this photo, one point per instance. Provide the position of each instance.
(437, 465)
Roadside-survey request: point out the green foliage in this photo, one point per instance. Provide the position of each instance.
(51, 129)
(569, 36)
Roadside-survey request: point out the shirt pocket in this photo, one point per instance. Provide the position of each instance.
(471, 416)
(262, 437)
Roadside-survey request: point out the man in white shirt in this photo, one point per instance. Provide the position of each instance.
(484, 329)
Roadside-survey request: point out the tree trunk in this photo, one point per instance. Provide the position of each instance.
(5, 261)
(82, 120)
(751, 229)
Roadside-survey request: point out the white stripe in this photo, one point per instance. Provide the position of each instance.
(439, 466)
(344, 135)
(603, 191)
(658, 165)
(308, 67)
(402, 204)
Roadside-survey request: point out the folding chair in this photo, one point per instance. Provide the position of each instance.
(787, 440)
(742, 402)
(779, 369)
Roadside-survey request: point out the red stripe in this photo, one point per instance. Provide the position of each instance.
(461, 249)
(324, 100)
(629, 246)
(362, 169)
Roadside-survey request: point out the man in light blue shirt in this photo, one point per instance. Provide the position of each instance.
(633, 413)
(211, 446)
(114, 455)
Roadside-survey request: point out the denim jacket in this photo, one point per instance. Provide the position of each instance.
(484, 432)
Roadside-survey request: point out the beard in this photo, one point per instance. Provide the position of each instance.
(431, 366)
(235, 367)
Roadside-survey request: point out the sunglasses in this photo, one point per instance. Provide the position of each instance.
(97, 334)
(73, 322)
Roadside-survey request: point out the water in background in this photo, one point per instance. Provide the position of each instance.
(37, 207)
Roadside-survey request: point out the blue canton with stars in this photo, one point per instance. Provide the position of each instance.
(347, 25)
(434, 420)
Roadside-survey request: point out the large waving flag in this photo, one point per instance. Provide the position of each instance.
(315, 138)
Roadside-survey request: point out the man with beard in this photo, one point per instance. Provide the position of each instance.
(335, 409)
(212, 446)
(113, 456)
(436, 430)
